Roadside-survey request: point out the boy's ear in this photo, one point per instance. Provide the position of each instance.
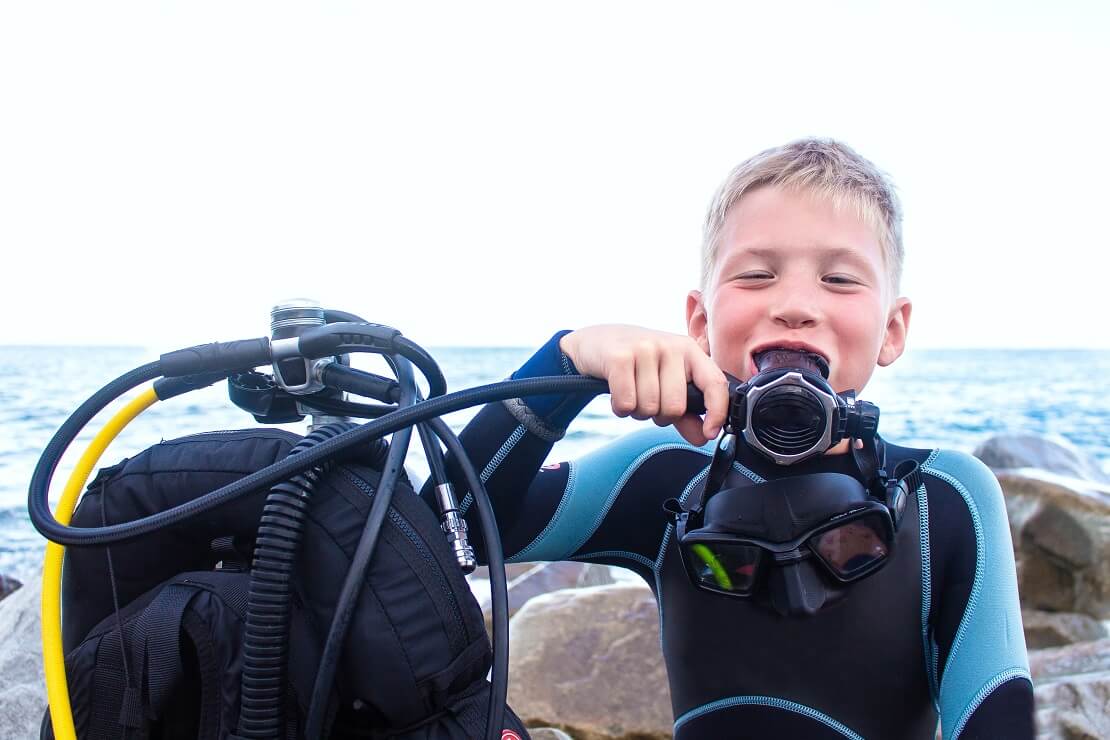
(897, 326)
(697, 322)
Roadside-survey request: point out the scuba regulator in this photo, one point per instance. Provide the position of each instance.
(793, 542)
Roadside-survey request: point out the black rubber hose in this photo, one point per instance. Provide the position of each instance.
(360, 383)
(437, 468)
(49, 527)
(266, 637)
(336, 407)
(355, 579)
(332, 316)
(498, 587)
(347, 338)
(38, 503)
(437, 384)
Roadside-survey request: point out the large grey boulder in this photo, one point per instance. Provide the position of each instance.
(1053, 629)
(1074, 709)
(1072, 691)
(1052, 664)
(587, 660)
(22, 692)
(527, 580)
(1051, 454)
(1061, 535)
(548, 733)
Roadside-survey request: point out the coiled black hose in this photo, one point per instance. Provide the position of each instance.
(355, 580)
(266, 637)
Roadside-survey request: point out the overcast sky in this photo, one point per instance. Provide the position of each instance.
(478, 173)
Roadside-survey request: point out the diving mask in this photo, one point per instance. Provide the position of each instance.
(803, 537)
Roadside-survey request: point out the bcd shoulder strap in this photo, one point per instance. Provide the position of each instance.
(129, 679)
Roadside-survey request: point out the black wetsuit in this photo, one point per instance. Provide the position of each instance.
(936, 632)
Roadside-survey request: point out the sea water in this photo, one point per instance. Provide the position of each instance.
(954, 399)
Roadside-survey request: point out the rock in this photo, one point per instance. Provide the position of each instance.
(527, 580)
(22, 693)
(1061, 534)
(1052, 664)
(1073, 708)
(588, 661)
(512, 570)
(1052, 454)
(1071, 688)
(8, 584)
(548, 733)
(1051, 629)
(595, 575)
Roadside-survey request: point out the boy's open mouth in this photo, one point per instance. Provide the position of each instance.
(770, 357)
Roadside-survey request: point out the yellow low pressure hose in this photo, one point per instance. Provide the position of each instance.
(53, 655)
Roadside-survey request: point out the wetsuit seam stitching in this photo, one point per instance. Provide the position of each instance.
(610, 499)
(633, 556)
(977, 581)
(493, 464)
(774, 703)
(572, 478)
(926, 587)
(988, 688)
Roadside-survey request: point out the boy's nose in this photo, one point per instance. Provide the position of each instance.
(795, 315)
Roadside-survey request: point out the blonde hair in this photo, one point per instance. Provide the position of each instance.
(825, 168)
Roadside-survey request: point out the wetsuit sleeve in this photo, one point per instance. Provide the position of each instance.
(507, 442)
(980, 661)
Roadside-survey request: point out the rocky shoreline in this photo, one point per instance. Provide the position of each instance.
(584, 641)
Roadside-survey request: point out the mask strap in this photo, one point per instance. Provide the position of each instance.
(723, 457)
(871, 464)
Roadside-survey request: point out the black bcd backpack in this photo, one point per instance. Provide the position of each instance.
(167, 664)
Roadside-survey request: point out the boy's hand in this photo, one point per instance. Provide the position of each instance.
(647, 371)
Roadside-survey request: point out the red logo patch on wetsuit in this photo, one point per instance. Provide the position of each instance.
(509, 735)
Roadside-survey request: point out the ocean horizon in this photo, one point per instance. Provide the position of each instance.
(951, 398)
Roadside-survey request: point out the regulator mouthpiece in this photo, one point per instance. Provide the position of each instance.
(773, 359)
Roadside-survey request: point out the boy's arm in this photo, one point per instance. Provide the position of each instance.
(508, 442)
(976, 635)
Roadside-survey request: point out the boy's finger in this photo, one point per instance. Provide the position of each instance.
(622, 384)
(672, 388)
(647, 385)
(689, 426)
(709, 378)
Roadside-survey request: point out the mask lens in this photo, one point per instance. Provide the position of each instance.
(724, 567)
(853, 548)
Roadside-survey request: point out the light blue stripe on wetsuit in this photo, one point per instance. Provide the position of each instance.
(594, 483)
(989, 647)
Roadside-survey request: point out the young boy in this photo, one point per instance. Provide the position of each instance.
(802, 250)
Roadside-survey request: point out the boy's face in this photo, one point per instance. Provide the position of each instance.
(792, 271)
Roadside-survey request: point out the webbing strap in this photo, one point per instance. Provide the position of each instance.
(114, 703)
(156, 647)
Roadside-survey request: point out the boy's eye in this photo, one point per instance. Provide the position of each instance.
(756, 275)
(840, 280)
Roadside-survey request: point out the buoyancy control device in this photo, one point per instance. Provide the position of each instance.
(259, 584)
